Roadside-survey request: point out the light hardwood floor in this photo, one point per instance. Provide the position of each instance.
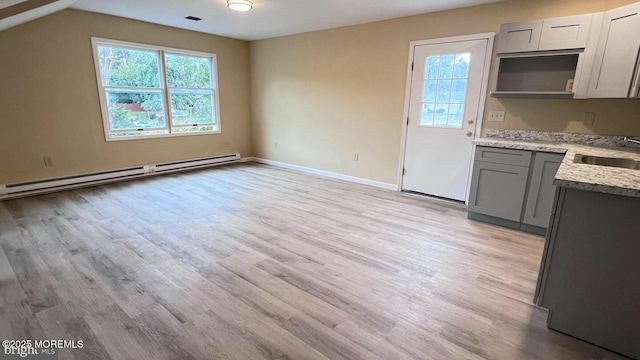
(255, 262)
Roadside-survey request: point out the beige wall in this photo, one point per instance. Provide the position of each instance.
(326, 95)
(321, 96)
(49, 98)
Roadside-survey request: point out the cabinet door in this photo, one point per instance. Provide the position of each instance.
(519, 37)
(617, 53)
(498, 190)
(568, 32)
(541, 189)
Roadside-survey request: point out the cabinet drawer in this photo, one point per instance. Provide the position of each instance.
(503, 156)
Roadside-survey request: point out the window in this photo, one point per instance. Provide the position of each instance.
(149, 91)
(445, 90)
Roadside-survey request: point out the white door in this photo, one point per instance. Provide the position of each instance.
(446, 88)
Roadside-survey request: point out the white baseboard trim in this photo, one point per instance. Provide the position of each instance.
(247, 159)
(328, 174)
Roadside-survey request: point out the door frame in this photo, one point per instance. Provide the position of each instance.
(483, 91)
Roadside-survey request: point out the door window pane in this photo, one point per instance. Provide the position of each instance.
(427, 114)
(432, 67)
(456, 112)
(461, 68)
(429, 93)
(442, 112)
(446, 66)
(458, 91)
(445, 90)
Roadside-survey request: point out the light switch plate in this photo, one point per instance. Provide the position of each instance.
(496, 115)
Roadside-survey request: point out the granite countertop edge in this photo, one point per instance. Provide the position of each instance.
(609, 180)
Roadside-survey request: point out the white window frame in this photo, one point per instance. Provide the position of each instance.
(164, 89)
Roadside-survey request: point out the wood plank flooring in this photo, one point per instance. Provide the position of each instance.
(255, 262)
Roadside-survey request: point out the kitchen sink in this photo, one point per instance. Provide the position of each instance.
(607, 161)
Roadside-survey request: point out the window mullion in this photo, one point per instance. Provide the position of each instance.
(167, 96)
(131, 89)
(191, 89)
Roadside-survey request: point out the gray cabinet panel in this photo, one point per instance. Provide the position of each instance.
(568, 32)
(498, 190)
(617, 54)
(503, 156)
(541, 189)
(590, 284)
(518, 37)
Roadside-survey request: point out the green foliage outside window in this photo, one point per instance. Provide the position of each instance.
(134, 89)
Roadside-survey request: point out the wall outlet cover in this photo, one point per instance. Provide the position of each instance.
(496, 115)
(589, 118)
(569, 87)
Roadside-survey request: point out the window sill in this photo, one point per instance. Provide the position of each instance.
(165, 136)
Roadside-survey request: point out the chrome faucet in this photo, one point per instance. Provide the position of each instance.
(628, 140)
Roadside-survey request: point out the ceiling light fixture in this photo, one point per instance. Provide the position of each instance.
(240, 5)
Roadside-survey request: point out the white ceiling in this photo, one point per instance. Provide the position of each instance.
(269, 18)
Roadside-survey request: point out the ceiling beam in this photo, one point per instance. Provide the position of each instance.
(30, 10)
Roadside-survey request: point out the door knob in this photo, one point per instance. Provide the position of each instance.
(469, 133)
(470, 121)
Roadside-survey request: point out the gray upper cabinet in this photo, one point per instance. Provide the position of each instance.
(548, 58)
(583, 56)
(541, 189)
(568, 32)
(519, 37)
(561, 33)
(614, 72)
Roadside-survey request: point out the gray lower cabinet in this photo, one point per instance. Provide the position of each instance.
(590, 274)
(513, 188)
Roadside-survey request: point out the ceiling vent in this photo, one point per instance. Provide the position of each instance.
(193, 18)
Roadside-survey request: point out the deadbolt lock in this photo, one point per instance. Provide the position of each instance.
(470, 121)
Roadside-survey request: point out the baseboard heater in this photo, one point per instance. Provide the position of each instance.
(10, 191)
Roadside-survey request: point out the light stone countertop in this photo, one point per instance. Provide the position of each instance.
(610, 180)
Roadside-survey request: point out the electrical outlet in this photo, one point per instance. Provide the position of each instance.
(275, 144)
(48, 161)
(589, 118)
(227, 143)
(356, 156)
(496, 115)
